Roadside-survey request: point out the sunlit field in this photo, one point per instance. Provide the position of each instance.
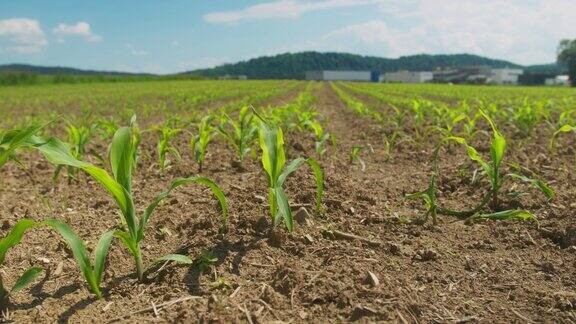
(287, 200)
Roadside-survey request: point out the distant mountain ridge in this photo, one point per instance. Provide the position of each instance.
(293, 65)
(51, 70)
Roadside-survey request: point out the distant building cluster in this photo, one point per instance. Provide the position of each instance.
(559, 80)
(407, 77)
(465, 74)
(367, 76)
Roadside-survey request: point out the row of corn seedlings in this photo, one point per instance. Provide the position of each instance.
(266, 128)
(458, 123)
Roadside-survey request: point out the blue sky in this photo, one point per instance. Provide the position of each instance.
(165, 36)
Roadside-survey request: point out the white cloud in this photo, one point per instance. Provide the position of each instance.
(283, 9)
(22, 35)
(80, 29)
(375, 33)
(517, 30)
(134, 51)
(373, 37)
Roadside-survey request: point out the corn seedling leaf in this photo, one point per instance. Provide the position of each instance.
(293, 166)
(284, 213)
(218, 193)
(179, 258)
(121, 157)
(472, 153)
(26, 278)
(127, 240)
(12, 140)
(563, 129)
(272, 145)
(58, 153)
(319, 176)
(15, 236)
(508, 215)
(81, 253)
(101, 253)
(536, 183)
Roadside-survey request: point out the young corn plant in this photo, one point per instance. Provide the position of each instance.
(136, 135)
(132, 228)
(205, 260)
(200, 141)
(92, 274)
(274, 164)
(241, 134)
(321, 136)
(469, 126)
(493, 170)
(106, 128)
(14, 237)
(78, 137)
(526, 116)
(355, 157)
(419, 107)
(14, 139)
(561, 130)
(450, 122)
(392, 129)
(428, 196)
(564, 118)
(165, 148)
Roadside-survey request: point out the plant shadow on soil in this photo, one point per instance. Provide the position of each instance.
(222, 251)
(40, 296)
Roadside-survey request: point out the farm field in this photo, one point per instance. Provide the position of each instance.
(297, 201)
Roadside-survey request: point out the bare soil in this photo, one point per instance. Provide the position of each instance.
(359, 261)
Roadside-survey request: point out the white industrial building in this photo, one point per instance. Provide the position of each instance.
(505, 76)
(407, 77)
(561, 80)
(339, 75)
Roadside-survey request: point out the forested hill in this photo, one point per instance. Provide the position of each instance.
(52, 70)
(293, 66)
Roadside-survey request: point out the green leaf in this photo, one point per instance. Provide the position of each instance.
(180, 258)
(80, 253)
(284, 212)
(26, 278)
(14, 237)
(101, 253)
(497, 149)
(319, 175)
(121, 157)
(293, 166)
(128, 241)
(498, 146)
(537, 183)
(472, 153)
(15, 139)
(58, 153)
(273, 156)
(218, 193)
(508, 215)
(563, 129)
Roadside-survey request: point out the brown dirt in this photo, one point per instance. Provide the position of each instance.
(487, 272)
